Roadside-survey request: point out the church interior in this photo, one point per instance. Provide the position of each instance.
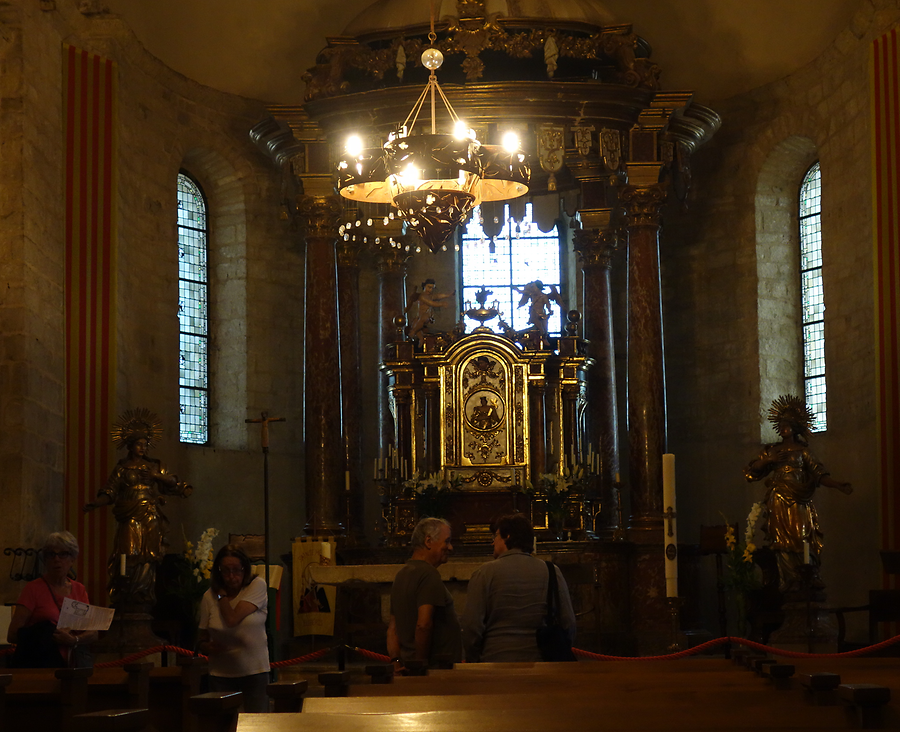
(178, 237)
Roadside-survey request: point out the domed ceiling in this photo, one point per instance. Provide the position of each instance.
(260, 49)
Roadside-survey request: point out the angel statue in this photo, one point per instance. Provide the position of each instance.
(136, 489)
(426, 301)
(539, 311)
(792, 475)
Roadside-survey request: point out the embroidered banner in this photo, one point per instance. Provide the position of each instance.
(89, 106)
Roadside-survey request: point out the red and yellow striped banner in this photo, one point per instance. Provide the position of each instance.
(89, 105)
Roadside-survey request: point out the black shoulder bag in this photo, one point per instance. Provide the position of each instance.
(552, 639)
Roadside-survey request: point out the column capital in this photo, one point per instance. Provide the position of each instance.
(595, 247)
(643, 203)
(390, 256)
(348, 251)
(319, 216)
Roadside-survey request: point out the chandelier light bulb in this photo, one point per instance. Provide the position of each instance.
(432, 59)
(353, 146)
(511, 142)
(461, 130)
(411, 175)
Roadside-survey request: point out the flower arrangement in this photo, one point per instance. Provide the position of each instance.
(556, 488)
(742, 573)
(195, 569)
(431, 493)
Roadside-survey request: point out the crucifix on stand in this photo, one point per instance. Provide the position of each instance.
(263, 421)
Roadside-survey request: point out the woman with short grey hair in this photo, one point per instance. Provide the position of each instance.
(33, 628)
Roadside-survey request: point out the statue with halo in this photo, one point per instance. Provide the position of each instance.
(792, 476)
(137, 490)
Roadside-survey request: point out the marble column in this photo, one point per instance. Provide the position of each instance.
(391, 263)
(432, 462)
(318, 217)
(646, 367)
(538, 417)
(595, 248)
(354, 503)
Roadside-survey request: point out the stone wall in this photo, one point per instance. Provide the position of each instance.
(722, 290)
(165, 123)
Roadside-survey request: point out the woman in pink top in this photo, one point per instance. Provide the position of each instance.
(34, 623)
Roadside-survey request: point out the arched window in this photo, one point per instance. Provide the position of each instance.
(812, 297)
(193, 311)
(519, 254)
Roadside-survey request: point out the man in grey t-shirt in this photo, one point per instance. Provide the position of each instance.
(423, 622)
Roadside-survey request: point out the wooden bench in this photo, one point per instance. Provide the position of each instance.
(120, 687)
(44, 698)
(865, 703)
(216, 711)
(112, 720)
(287, 696)
(171, 689)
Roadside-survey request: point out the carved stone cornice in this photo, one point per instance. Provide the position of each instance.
(643, 204)
(319, 216)
(612, 54)
(559, 102)
(595, 247)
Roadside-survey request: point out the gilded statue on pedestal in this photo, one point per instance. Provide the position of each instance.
(136, 489)
(539, 311)
(792, 475)
(426, 301)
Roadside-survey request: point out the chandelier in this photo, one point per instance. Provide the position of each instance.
(433, 180)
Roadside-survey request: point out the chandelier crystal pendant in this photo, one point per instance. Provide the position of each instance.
(434, 179)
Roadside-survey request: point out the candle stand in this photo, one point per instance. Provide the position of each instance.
(674, 604)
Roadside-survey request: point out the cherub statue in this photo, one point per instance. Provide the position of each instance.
(793, 473)
(426, 301)
(136, 489)
(540, 311)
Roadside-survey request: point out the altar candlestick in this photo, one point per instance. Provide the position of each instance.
(122, 564)
(805, 552)
(670, 539)
(347, 480)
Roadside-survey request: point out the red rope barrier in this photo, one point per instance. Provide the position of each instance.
(302, 659)
(147, 652)
(371, 654)
(577, 651)
(740, 642)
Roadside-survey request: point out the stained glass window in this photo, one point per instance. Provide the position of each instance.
(521, 253)
(812, 295)
(193, 312)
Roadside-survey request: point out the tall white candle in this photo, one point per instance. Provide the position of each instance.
(122, 568)
(670, 542)
(806, 552)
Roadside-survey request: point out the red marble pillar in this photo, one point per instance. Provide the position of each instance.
(318, 217)
(538, 417)
(595, 248)
(354, 503)
(432, 427)
(646, 367)
(392, 303)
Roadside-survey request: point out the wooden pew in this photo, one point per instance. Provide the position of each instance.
(642, 714)
(216, 711)
(44, 698)
(120, 687)
(695, 694)
(113, 720)
(171, 689)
